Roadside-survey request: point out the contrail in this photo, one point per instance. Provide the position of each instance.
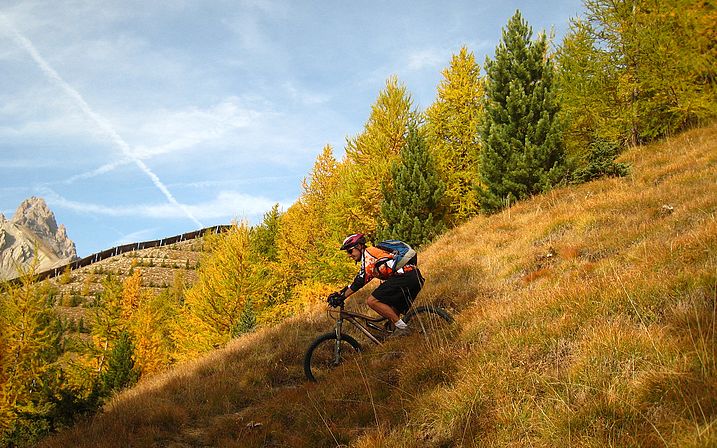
(103, 124)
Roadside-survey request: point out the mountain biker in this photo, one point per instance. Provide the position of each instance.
(398, 288)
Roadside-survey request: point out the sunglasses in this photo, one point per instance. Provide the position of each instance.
(350, 251)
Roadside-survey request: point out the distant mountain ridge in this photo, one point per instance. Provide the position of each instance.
(33, 232)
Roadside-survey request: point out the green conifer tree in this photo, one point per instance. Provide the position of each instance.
(247, 320)
(120, 371)
(453, 137)
(410, 208)
(263, 236)
(522, 151)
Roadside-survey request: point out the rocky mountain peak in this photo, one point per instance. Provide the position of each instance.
(33, 233)
(34, 215)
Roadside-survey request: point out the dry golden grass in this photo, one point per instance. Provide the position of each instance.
(586, 317)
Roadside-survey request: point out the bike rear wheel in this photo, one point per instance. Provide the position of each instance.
(428, 320)
(323, 355)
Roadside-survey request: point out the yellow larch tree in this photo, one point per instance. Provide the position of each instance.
(228, 277)
(146, 319)
(107, 323)
(131, 295)
(151, 332)
(30, 344)
(307, 239)
(453, 137)
(357, 202)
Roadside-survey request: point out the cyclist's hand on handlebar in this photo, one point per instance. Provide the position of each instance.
(335, 299)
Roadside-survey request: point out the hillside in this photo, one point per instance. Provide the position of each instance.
(586, 317)
(161, 267)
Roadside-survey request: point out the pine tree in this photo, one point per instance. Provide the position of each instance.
(295, 240)
(384, 132)
(452, 134)
(306, 242)
(323, 231)
(247, 320)
(120, 372)
(192, 336)
(600, 161)
(263, 237)
(66, 277)
(410, 210)
(522, 151)
(322, 181)
(179, 285)
(150, 329)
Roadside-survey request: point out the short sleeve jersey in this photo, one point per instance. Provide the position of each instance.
(369, 258)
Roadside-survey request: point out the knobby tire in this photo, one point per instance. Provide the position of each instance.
(318, 360)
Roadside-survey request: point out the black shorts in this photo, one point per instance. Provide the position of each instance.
(400, 291)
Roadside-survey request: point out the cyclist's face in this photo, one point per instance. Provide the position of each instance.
(354, 253)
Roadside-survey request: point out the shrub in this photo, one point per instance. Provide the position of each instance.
(600, 163)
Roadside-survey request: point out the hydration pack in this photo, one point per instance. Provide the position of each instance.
(403, 254)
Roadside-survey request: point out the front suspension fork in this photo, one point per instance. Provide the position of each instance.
(337, 346)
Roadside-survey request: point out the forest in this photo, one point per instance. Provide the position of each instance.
(534, 116)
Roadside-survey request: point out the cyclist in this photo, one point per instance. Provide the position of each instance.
(396, 292)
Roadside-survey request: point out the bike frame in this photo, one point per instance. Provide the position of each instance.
(376, 329)
(355, 319)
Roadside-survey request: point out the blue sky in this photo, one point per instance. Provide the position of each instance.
(139, 120)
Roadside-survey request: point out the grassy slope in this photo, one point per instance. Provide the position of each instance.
(586, 318)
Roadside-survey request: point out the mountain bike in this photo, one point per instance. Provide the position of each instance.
(331, 349)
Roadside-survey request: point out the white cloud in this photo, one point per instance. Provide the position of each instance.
(268, 7)
(233, 204)
(241, 181)
(173, 130)
(227, 204)
(250, 34)
(426, 58)
(40, 109)
(253, 23)
(96, 118)
(104, 169)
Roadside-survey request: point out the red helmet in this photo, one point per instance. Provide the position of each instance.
(352, 241)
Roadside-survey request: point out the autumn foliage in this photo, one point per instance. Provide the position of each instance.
(627, 74)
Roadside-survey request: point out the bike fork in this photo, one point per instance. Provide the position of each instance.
(337, 346)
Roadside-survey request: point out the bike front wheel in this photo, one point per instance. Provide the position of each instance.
(324, 354)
